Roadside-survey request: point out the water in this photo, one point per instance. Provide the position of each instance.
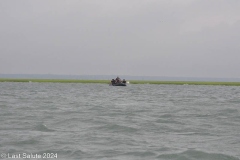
(97, 121)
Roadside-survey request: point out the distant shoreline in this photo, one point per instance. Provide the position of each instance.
(109, 77)
(130, 81)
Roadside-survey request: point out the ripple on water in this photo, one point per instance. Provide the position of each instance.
(95, 121)
(117, 128)
(196, 155)
(42, 128)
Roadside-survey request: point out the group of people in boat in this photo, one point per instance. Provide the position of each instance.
(118, 80)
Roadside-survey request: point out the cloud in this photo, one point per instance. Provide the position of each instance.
(139, 37)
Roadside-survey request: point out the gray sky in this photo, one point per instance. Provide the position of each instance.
(183, 38)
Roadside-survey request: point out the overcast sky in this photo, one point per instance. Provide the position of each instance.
(182, 38)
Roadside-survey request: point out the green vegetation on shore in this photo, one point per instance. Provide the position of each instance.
(131, 81)
(187, 83)
(53, 80)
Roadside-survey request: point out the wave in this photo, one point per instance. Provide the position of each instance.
(118, 128)
(169, 121)
(141, 154)
(26, 142)
(43, 128)
(228, 111)
(235, 100)
(196, 155)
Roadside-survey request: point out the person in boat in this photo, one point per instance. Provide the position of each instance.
(113, 81)
(124, 81)
(118, 80)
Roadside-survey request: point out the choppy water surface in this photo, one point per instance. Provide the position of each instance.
(97, 121)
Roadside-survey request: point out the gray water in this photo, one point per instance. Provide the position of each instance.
(97, 121)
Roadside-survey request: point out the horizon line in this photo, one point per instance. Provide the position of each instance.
(136, 76)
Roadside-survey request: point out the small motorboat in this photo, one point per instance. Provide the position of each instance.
(118, 82)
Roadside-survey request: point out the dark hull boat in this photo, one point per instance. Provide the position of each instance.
(118, 84)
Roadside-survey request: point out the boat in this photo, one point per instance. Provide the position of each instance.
(118, 82)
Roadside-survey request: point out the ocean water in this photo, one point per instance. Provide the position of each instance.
(101, 122)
